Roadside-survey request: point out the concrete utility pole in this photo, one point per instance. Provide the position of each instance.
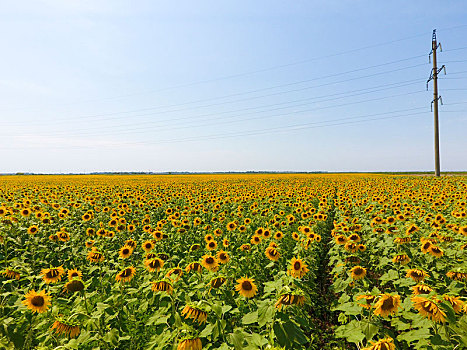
(434, 103)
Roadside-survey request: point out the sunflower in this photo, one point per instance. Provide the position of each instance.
(341, 239)
(298, 268)
(387, 304)
(457, 275)
(125, 252)
(190, 344)
(216, 282)
(425, 246)
(163, 285)
(278, 235)
(69, 329)
(402, 240)
(272, 253)
(95, 257)
(211, 245)
(25, 212)
(287, 299)
(231, 226)
(131, 243)
(429, 308)
(194, 247)
(126, 275)
(72, 273)
(147, 246)
(358, 272)
(178, 272)
(210, 263)
(382, 344)
(295, 236)
(223, 257)
(256, 239)
(351, 247)
(11, 274)
(369, 300)
(402, 259)
(354, 237)
(37, 302)
(75, 285)
(455, 302)
(158, 235)
(63, 236)
(435, 251)
(52, 275)
(32, 230)
(416, 274)
(421, 289)
(245, 247)
(194, 266)
(154, 264)
(150, 256)
(195, 312)
(246, 287)
(208, 238)
(411, 229)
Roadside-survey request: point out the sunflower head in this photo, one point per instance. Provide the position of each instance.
(358, 272)
(290, 298)
(196, 312)
(126, 275)
(217, 282)
(75, 285)
(210, 263)
(298, 268)
(223, 257)
(37, 302)
(387, 304)
(154, 264)
(246, 287)
(428, 307)
(162, 285)
(416, 274)
(67, 328)
(53, 274)
(382, 344)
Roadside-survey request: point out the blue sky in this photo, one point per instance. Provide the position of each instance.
(229, 85)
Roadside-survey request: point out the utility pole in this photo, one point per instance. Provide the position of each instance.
(434, 103)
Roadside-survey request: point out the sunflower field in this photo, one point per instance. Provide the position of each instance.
(270, 261)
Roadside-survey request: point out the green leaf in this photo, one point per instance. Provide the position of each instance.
(257, 340)
(351, 331)
(414, 335)
(237, 339)
(350, 308)
(369, 329)
(294, 333)
(266, 314)
(207, 330)
(111, 337)
(279, 332)
(250, 318)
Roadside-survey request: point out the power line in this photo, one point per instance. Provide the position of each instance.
(254, 110)
(146, 129)
(243, 93)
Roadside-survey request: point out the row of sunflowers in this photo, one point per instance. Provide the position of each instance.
(162, 262)
(398, 262)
